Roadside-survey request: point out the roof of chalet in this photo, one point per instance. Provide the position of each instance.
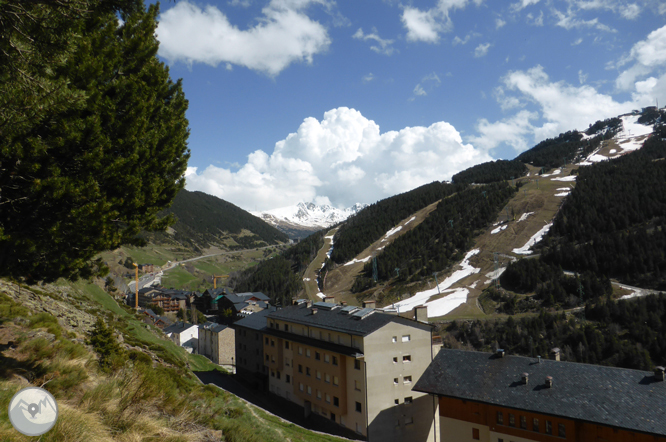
(616, 397)
(351, 320)
(178, 327)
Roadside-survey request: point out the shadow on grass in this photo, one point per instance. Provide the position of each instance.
(274, 404)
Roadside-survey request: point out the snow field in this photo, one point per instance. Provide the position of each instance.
(566, 178)
(354, 261)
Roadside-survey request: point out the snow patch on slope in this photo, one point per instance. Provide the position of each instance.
(442, 306)
(526, 249)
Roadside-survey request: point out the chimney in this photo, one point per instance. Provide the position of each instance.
(314, 311)
(329, 299)
(369, 303)
(421, 313)
(549, 382)
(500, 353)
(343, 303)
(555, 354)
(523, 378)
(308, 303)
(659, 373)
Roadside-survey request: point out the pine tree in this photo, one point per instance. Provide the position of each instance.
(92, 134)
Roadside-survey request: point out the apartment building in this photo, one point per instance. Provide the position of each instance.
(354, 366)
(497, 398)
(217, 343)
(250, 348)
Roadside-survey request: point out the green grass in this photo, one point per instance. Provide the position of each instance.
(178, 277)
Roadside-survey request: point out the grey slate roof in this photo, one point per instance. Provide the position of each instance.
(616, 397)
(177, 327)
(337, 320)
(255, 321)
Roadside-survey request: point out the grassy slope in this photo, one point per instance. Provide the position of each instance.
(97, 405)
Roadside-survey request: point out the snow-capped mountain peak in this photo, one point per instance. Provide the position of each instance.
(309, 215)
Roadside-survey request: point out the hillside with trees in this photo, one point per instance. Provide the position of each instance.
(442, 238)
(554, 152)
(204, 220)
(371, 223)
(280, 277)
(614, 221)
(491, 172)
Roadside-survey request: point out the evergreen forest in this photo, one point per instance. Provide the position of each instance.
(491, 172)
(371, 223)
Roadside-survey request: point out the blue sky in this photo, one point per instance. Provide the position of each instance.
(355, 101)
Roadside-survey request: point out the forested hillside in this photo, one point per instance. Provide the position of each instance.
(614, 221)
(203, 220)
(280, 277)
(442, 238)
(367, 226)
(554, 152)
(491, 172)
(622, 334)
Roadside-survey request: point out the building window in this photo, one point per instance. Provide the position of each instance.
(500, 418)
(327, 358)
(319, 375)
(549, 427)
(272, 374)
(328, 398)
(288, 379)
(330, 338)
(475, 434)
(318, 394)
(327, 377)
(409, 420)
(395, 359)
(396, 401)
(335, 360)
(267, 358)
(409, 400)
(286, 327)
(300, 387)
(358, 428)
(407, 379)
(358, 407)
(307, 352)
(335, 380)
(272, 342)
(407, 358)
(561, 430)
(357, 364)
(278, 374)
(394, 339)
(512, 420)
(357, 386)
(266, 341)
(523, 422)
(309, 390)
(300, 368)
(336, 401)
(395, 381)
(317, 356)
(286, 345)
(406, 338)
(307, 371)
(535, 425)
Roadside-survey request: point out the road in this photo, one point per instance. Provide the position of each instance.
(156, 278)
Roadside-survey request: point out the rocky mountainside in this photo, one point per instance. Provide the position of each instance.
(302, 219)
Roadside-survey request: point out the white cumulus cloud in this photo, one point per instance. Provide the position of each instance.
(283, 35)
(345, 158)
(648, 55)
